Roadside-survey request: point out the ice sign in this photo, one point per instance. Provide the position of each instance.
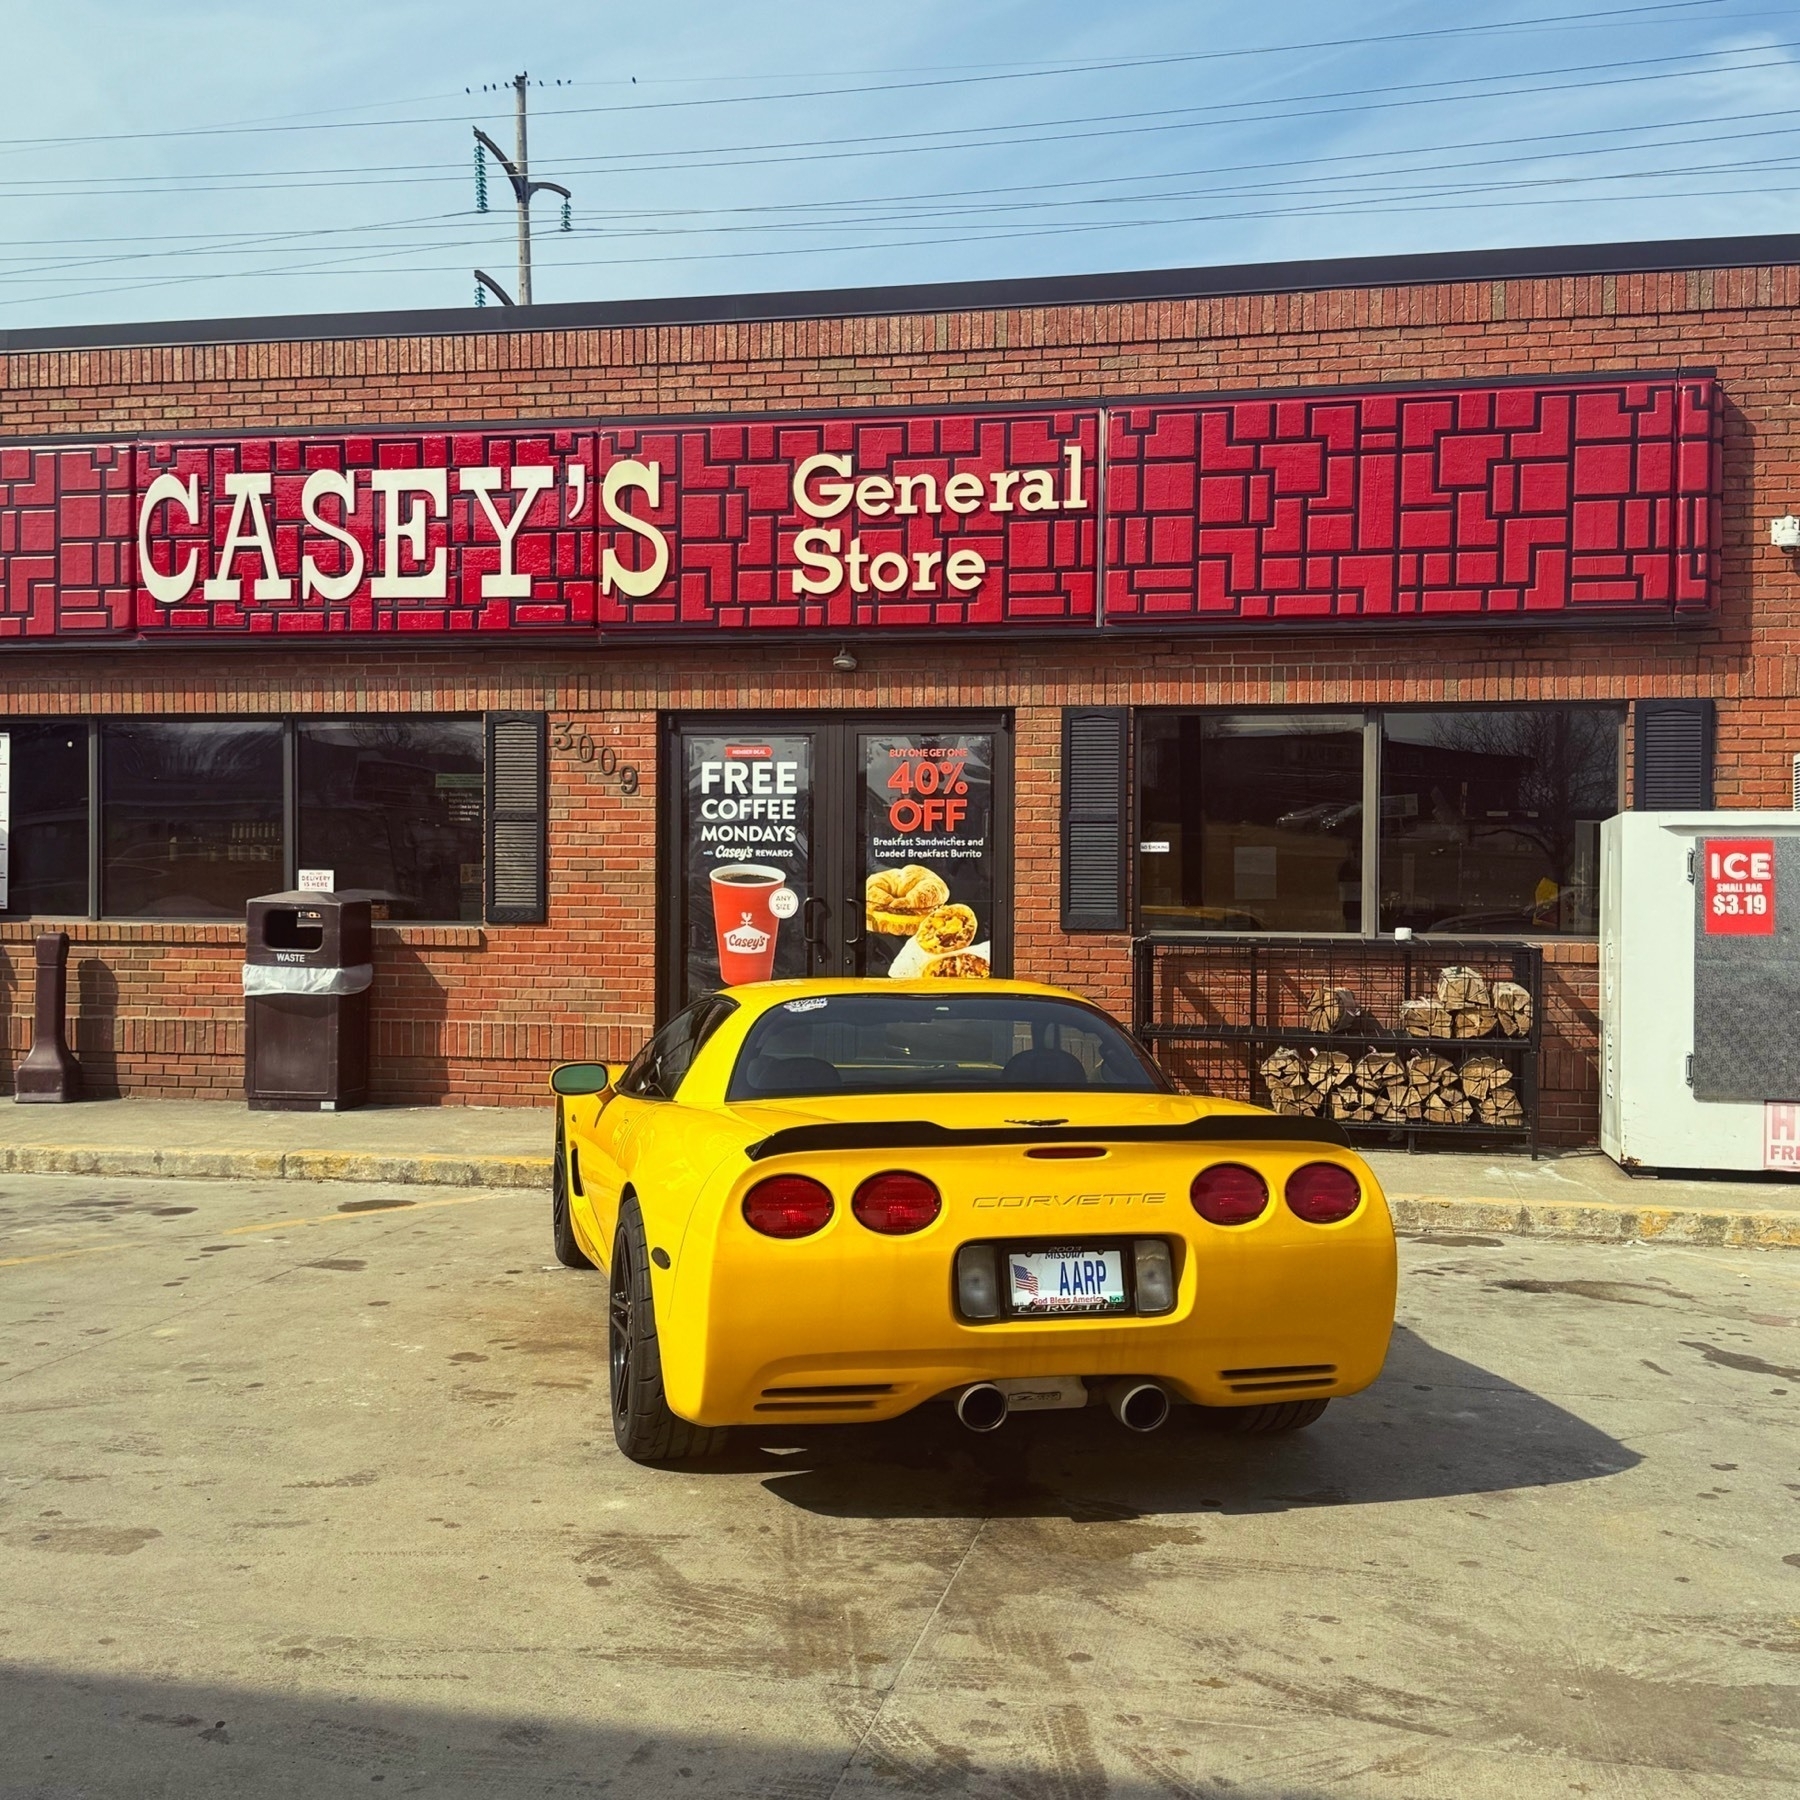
(1738, 893)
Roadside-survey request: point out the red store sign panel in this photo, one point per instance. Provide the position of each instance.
(1569, 499)
(1482, 500)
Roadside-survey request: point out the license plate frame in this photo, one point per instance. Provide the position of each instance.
(1084, 1291)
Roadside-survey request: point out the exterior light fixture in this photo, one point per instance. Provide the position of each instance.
(1784, 533)
(845, 663)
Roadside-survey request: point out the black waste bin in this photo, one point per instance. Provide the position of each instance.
(306, 1002)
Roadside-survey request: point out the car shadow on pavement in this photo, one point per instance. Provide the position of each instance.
(77, 1732)
(1432, 1426)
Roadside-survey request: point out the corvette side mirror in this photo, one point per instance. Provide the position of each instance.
(574, 1079)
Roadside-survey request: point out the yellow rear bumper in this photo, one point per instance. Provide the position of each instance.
(848, 1325)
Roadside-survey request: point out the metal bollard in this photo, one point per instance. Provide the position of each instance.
(50, 1071)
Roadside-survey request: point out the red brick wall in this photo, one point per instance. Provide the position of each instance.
(475, 1014)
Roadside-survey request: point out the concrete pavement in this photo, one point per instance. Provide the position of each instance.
(307, 1490)
(1582, 1195)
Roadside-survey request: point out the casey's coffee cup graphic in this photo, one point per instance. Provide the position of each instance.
(743, 921)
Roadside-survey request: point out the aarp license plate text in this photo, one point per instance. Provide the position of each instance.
(1067, 1281)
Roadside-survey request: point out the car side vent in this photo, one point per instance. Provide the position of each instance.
(821, 1393)
(1289, 1378)
(1673, 756)
(516, 782)
(855, 1396)
(1096, 817)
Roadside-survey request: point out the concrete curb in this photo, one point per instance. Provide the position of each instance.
(1588, 1221)
(278, 1165)
(1598, 1221)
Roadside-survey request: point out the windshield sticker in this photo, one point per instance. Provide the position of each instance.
(812, 1005)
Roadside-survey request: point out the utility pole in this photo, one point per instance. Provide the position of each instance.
(518, 172)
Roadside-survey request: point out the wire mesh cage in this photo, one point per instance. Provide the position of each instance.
(1433, 1039)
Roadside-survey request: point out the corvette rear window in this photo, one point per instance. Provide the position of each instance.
(956, 1044)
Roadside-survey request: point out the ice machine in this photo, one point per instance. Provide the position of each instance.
(1700, 990)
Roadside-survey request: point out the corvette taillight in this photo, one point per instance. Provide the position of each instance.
(1229, 1194)
(896, 1202)
(1322, 1193)
(787, 1206)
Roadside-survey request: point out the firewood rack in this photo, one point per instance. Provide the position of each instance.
(1211, 1008)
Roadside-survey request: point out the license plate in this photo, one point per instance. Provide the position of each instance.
(1067, 1281)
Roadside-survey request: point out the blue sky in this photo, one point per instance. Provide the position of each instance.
(199, 158)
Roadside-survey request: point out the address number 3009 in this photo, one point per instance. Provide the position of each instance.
(572, 741)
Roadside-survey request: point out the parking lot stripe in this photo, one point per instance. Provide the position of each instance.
(17, 1262)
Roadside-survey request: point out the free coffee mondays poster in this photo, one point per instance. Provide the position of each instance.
(749, 858)
(927, 828)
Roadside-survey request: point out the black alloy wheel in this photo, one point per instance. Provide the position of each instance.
(643, 1426)
(1267, 1420)
(562, 1234)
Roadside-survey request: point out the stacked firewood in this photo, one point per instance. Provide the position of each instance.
(1489, 1084)
(1332, 1009)
(1418, 1087)
(1512, 1008)
(1466, 1005)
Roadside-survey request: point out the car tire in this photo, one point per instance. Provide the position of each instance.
(562, 1233)
(643, 1426)
(1267, 1420)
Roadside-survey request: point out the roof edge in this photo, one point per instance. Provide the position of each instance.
(1650, 257)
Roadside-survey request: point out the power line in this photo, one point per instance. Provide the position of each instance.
(305, 242)
(967, 137)
(1419, 200)
(1027, 72)
(991, 201)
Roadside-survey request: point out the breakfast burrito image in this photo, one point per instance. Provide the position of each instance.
(946, 928)
(965, 965)
(913, 964)
(896, 901)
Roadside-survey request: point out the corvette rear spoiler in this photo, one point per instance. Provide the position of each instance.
(921, 1134)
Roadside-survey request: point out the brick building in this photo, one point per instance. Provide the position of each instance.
(1239, 606)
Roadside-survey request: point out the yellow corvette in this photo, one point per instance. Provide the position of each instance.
(830, 1201)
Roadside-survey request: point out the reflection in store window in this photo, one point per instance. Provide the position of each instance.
(1251, 822)
(1490, 818)
(393, 809)
(47, 860)
(190, 816)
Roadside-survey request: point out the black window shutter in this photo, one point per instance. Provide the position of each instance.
(1096, 816)
(1672, 765)
(517, 803)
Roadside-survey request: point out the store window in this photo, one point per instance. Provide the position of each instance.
(194, 815)
(190, 817)
(1488, 820)
(393, 809)
(44, 819)
(1251, 821)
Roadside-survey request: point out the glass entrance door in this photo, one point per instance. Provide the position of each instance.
(797, 845)
(745, 851)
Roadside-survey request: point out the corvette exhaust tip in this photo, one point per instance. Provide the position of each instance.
(981, 1406)
(1138, 1405)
